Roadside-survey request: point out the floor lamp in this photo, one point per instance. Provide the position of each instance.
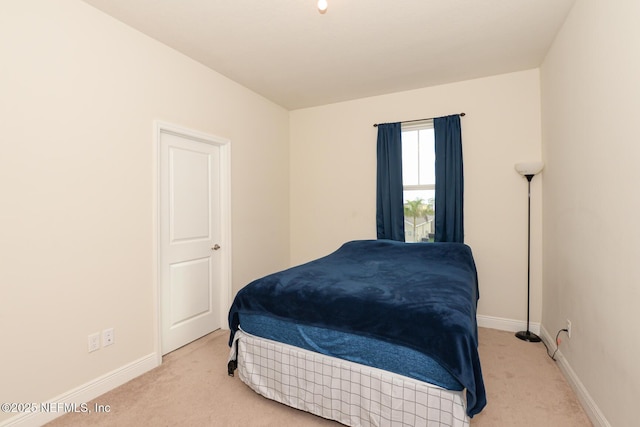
(528, 170)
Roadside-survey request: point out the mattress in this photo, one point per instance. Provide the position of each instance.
(340, 390)
(355, 348)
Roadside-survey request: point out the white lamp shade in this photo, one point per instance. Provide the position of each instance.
(529, 168)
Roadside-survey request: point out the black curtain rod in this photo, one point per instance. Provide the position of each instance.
(417, 120)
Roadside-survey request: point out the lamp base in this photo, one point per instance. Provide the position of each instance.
(528, 336)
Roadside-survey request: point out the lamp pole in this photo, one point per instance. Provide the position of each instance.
(528, 335)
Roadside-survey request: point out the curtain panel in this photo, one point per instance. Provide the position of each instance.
(389, 203)
(449, 180)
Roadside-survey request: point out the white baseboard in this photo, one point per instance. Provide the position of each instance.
(86, 392)
(596, 416)
(506, 324)
(113, 379)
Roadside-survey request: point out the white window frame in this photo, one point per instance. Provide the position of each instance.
(416, 126)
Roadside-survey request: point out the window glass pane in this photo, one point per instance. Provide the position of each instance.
(410, 158)
(427, 156)
(418, 163)
(419, 215)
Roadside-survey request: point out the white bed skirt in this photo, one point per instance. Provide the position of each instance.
(347, 392)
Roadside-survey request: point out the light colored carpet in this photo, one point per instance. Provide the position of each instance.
(192, 388)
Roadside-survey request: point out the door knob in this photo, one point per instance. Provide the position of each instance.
(215, 247)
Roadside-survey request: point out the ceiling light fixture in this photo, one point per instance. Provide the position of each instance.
(322, 6)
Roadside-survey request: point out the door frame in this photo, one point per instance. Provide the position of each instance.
(160, 127)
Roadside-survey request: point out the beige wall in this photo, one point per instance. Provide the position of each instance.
(79, 93)
(590, 84)
(333, 150)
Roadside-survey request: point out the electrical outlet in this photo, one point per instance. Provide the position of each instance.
(94, 342)
(107, 337)
(569, 328)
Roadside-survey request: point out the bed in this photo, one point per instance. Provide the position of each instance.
(378, 332)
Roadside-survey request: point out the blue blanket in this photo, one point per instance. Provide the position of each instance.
(418, 295)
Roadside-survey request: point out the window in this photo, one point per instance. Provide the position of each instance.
(419, 181)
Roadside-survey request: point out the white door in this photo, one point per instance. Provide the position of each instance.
(190, 239)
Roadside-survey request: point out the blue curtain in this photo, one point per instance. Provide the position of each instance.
(449, 179)
(389, 205)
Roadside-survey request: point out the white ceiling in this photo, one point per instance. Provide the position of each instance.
(289, 53)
